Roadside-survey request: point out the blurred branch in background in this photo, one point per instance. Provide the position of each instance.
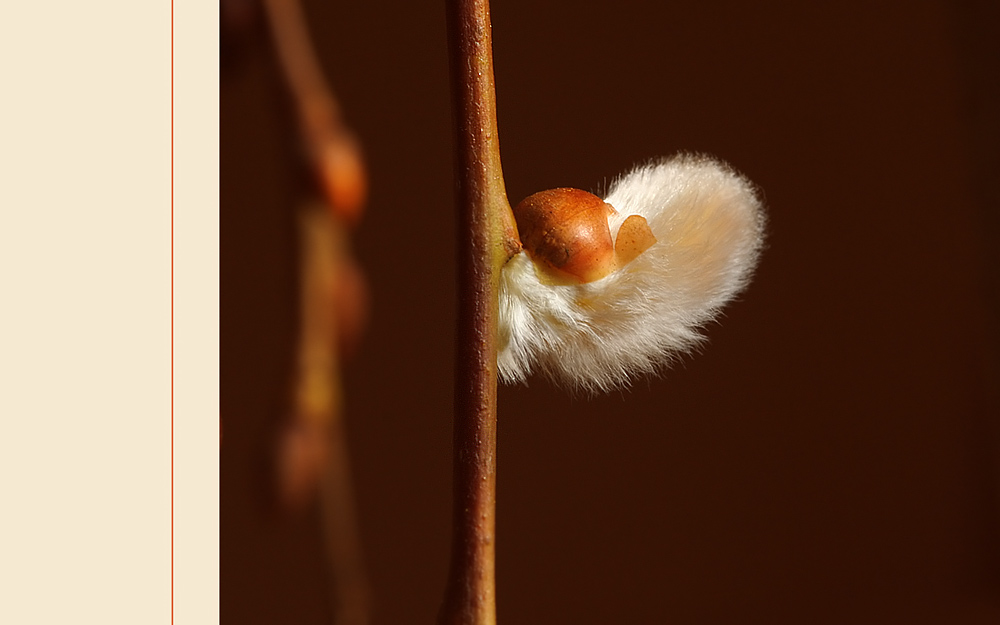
(331, 148)
(312, 455)
(314, 451)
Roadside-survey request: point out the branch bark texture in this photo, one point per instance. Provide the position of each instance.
(487, 239)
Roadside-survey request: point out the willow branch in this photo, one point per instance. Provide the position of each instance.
(487, 239)
(333, 151)
(315, 453)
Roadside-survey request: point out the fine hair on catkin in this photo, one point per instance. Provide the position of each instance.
(709, 229)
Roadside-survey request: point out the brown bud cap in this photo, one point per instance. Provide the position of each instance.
(342, 177)
(634, 238)
(303, 453)
(567, 231)
(350, 305)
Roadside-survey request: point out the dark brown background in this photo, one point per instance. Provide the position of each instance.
(833, 456)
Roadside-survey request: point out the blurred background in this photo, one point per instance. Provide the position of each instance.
(832, 455)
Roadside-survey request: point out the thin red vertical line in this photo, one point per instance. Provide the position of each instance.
(171, 312)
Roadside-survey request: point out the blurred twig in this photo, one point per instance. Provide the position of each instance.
(332, 149)
(314, 454)
(319, 455)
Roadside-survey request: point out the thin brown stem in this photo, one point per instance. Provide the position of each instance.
(333, 151)
(315, 454)
(487, 239)
(350, 584)
(299, 65)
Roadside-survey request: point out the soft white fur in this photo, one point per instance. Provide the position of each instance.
(709, 228)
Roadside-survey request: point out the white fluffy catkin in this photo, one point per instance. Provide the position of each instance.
(709, 228)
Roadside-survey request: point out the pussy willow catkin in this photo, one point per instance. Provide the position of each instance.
(609, 290)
